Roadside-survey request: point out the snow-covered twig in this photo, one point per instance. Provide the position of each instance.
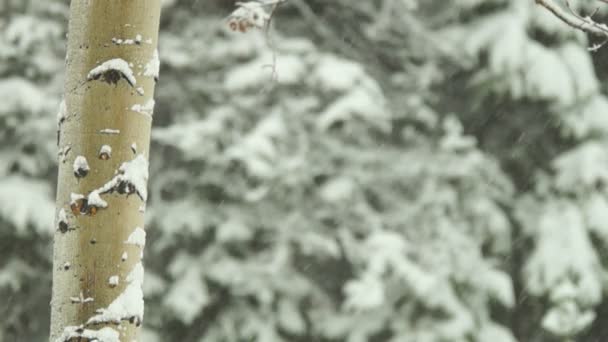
(585, 24)
(253, 14)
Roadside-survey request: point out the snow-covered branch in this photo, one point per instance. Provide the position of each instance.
(570, 17)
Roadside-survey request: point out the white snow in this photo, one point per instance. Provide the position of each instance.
(152, 68)
(81, 165)
(134, 147)
(128, 41)
(62, 217)
(113, 280)
(67, 265)
(105, 150)
(251, 13)
(499, 286)
(596, 215)
(495, 333)
(588, 118)
(582, 167)
(140, 90)
(338, 189)
(337, 74)
(81, 299)
(567, 319)
(579, 63)
(105, 334)
(188, 296)
(137, 237)
(75, 198)
(124, 256)
(109, 131)
(117, 64)
(233, 230)
(94, 199)
(248, 76)
(547, 76)
(129, 304)
(16, 92)
(363, 294)
(62, 113)
(133, 173)
(288, 70)
(357, 103)
(146, 108)
(564, 253)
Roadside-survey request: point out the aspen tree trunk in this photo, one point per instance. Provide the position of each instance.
(103, 137)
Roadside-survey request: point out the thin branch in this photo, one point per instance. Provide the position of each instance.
(585, 24)
(269, 40)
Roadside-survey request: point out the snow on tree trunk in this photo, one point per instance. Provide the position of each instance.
(101, 191)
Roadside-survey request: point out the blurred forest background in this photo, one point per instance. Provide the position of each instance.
(421, 171)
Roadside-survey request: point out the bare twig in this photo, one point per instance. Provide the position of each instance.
(269, 40)
(276, 4)
(257, 14)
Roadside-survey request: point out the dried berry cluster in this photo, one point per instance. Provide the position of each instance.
(248, 15)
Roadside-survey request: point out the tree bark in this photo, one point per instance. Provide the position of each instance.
(103, 138)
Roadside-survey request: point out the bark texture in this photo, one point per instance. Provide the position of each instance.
(103, 138)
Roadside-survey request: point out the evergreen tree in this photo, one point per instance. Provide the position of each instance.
(411, 171)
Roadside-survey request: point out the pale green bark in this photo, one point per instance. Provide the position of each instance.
(89, 247)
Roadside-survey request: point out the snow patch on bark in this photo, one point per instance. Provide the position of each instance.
(152, 68)
(135, 172)
(94, 199)
(109, 131)
(145, 109)
(75, 197)
(62, 113)
(138, 238)
(113, 280)
(105, 152)
(119, 41)
(62, 220)
(129, 305)
(81, 166)
(106, 334)
(112, 71)
(132, 177)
